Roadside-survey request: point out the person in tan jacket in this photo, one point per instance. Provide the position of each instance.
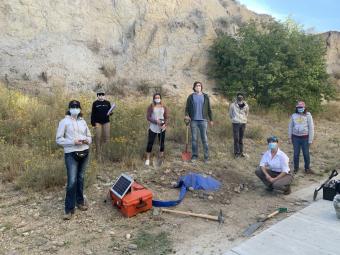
(238, 113)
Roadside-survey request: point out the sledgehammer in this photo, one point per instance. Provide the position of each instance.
(218, 218)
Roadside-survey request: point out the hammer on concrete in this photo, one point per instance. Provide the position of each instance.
(219, 218)
(253, 227)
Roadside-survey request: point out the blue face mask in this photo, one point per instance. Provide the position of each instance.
(272, 146)
(300, 110)
(74, 111)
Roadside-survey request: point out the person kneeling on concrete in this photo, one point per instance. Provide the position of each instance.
(274, 170)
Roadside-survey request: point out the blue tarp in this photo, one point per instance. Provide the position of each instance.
(196, 181)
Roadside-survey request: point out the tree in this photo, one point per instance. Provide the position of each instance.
(275, 63)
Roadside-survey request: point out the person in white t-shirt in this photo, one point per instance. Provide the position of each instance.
(274, 169)
(158, 116)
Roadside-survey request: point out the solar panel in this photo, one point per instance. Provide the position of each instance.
(122, 185)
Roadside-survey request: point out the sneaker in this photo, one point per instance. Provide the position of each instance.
(82, 207)
(296, 170)
(244, 155)
(309, 171)
(67, 216)
(193, 159)
(147, 162)
(236, 155)
(287, 191)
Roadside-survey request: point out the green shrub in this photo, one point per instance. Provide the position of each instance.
(274, 63)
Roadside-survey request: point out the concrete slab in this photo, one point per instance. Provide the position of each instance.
(315, 230)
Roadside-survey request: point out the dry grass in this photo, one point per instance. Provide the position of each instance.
(30, 157)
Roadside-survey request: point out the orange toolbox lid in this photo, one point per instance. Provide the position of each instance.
(135, 196)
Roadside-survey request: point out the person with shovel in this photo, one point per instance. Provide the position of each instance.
(100, 120)
(238, 113)
(274, 169)
(157, 115)
(198, 112)
(74, 135)
(301, 135)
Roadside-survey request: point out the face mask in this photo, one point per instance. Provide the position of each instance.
(157, 100)
(74, 111)
(301, 110)
(272, 146)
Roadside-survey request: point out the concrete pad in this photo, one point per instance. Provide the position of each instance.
(315, 230)
(230, 253)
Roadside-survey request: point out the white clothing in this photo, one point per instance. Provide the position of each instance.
(278, 163)
(69, 130)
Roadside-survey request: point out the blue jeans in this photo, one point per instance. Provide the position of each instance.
(201, 126)
(301, 143)
(75, 181)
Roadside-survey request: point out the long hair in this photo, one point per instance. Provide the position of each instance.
(153, 104)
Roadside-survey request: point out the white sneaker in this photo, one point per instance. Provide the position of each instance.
(147, 162)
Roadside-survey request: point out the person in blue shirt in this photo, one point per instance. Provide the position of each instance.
(198, 112)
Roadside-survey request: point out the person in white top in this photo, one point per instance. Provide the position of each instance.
(274, 169)
(74, 135)
(157, 115)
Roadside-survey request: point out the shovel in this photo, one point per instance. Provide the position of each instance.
(158, 162)
(333, 174)
(253, 227)
(186, 155)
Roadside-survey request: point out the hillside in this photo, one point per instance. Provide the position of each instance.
(120, 42)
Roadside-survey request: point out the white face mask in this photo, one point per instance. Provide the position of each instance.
(157, 101)
(74, 111)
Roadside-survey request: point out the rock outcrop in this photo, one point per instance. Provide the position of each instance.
(332, 40)
(81, 43)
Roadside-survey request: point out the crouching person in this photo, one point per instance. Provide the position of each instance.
(274, 169)
(74, 135)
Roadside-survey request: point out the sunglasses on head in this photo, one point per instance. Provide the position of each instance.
(101, 94)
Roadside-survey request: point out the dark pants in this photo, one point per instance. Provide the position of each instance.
(238, 133)
(298, 144)
(151, 140)
(281, 184)
(75, 181)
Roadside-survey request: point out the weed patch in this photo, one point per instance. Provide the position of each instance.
(153, 244)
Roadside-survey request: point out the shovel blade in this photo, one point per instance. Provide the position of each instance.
(252, 228)
(315, 194)
(186, 156)
(158, 162)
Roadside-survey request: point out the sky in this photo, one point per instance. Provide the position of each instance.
(315, 15)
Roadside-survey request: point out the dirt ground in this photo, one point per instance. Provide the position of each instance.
(31, 223)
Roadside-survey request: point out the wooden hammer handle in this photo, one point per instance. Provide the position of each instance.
(204, 216)
(272, 214)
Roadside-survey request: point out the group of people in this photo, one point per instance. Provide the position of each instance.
(74, 135)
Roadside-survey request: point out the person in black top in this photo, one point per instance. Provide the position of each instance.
(100, 120)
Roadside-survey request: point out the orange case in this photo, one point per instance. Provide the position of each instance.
(136, 201)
